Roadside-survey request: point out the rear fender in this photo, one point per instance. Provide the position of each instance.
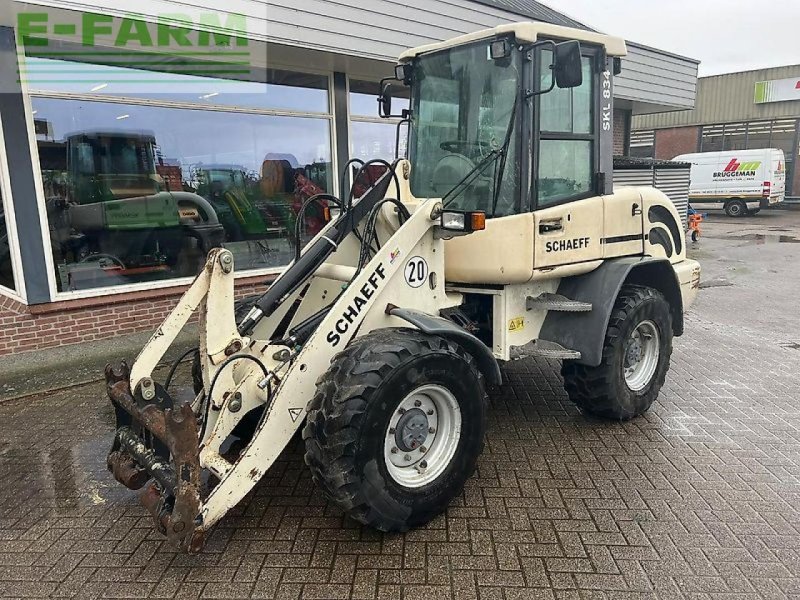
(585, 332)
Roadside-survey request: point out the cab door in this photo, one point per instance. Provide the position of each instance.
(568, 208)
(568, 233)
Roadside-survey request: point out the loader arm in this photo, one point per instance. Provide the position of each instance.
(332, 302)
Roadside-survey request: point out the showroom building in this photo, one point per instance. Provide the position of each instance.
(736, 111)
(201, 111)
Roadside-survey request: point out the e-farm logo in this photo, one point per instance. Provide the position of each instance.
(739, 169)
(210, 44)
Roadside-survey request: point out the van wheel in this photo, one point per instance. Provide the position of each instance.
(736, 208)
(636, 356)
(396, 427)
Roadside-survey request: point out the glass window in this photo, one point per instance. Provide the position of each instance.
(6, 268)
(566, 166)
(370, 135)
(758, 134)
(464, 110)
(271, 89)
(139, 193)
(565, 169)
(711, 140)
(565, 110)
(783, 133)
(364, 98)
(735, 136)
(643, 144)
(370, 140)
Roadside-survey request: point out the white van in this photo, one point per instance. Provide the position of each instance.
(740, 181)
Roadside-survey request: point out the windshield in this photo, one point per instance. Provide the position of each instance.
(112, 155)
(462, 109)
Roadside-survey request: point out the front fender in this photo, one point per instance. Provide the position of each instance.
(445, 328)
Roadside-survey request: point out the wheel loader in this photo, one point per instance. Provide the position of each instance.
(498, 238)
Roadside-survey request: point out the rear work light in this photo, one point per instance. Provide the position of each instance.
(767, 189)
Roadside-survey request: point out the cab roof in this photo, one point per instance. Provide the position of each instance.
(526, 32)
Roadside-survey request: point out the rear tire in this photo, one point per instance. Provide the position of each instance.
(354, 426)
(622, 387)
(736, 208)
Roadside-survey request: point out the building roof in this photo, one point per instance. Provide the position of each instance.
(534, 10)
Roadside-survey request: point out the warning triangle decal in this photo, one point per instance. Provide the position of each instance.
(295, 413)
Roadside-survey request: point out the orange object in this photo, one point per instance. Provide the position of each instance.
(272, 177)
(478, 221)
(695, 221)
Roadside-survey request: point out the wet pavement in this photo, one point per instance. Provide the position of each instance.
(698, 499)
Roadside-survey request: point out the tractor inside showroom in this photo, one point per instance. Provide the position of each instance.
(498, 238)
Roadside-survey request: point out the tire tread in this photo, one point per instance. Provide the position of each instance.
(337, 411)
(591, 388)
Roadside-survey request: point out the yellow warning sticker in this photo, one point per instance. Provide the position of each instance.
(516, 324)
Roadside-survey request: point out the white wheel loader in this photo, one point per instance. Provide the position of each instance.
(500, 237)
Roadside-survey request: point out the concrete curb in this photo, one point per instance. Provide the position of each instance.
(58, 368)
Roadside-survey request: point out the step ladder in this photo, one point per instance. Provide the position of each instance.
(544, 349)
(556, 302)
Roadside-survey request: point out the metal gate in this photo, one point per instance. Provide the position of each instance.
(670, 177)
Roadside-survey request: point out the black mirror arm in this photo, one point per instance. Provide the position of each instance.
(381, 101)
(528, 47)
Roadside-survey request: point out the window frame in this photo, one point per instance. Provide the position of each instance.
(7, 203)
(594, 53)
(30, 94)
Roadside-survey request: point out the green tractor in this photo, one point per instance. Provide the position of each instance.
(117, 213)
(228, 190)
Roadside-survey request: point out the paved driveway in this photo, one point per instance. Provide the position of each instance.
(699, 499)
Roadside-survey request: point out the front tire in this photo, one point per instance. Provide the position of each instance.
(635, 361)
(396, 427)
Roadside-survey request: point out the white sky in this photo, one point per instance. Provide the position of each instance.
(726, 35)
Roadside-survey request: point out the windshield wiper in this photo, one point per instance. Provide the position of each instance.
(506, 143)
(487, 160)
(471, 176)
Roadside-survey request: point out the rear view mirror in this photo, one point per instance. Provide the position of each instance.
(567, 64)
(385, 101)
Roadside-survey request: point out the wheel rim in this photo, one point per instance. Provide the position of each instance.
(735, 209)
(422, 436)
(642, 351)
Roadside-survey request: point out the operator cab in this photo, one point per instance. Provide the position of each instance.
(509, 121)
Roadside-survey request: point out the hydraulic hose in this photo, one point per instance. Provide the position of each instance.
(299, 271)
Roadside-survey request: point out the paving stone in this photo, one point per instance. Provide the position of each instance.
(700, 498)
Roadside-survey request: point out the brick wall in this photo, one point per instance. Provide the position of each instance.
(26, 328)
(674, 142)
(622, 122)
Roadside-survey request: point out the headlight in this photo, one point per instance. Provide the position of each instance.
(454, 221)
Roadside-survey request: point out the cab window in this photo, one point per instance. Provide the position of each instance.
(566, 145)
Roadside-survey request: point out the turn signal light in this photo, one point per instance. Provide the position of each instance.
(478, 221)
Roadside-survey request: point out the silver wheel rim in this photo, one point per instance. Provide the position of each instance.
(422, 436)
(642, 351)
